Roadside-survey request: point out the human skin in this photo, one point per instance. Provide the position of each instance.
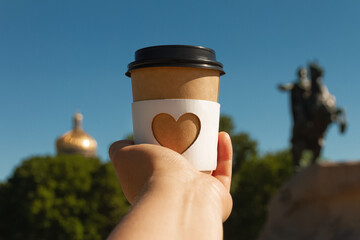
(171, 199)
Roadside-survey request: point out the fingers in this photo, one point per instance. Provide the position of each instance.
(116, 146)
(224, 163)
(131, 167)
(136, 164)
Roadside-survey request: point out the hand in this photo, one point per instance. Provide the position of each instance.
(285, 87)
(146, 169)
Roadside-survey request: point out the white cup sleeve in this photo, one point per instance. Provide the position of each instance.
(202, 153)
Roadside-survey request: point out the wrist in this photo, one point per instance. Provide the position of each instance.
(192, 203)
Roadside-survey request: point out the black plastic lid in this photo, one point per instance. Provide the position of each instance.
(175, 56)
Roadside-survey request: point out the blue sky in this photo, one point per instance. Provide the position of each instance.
(59, 57)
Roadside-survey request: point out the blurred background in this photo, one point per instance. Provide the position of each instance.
(62, 57)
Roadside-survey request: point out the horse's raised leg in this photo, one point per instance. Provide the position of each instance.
(296, 151)
(316, 153)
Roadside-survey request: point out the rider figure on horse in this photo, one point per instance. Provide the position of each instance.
(313, 110)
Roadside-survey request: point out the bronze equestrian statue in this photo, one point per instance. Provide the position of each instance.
(313, 110)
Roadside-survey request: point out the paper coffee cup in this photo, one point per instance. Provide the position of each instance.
(175, 100)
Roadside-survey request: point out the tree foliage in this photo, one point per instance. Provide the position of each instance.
(255, 180)
(244, 147)
(76, 198)
(253, 186)
(62, 197)
(226, 124)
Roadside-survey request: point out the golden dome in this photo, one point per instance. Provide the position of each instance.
(76, 141)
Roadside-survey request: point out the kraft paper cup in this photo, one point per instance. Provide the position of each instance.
(174, 72)
(175, 83)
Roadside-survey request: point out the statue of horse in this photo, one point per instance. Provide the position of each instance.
(313, 110)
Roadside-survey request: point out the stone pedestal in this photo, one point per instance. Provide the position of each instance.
(322, 202)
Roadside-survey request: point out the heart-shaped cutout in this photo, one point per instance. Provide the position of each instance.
(177, 135)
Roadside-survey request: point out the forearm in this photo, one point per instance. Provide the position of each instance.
(171, 213)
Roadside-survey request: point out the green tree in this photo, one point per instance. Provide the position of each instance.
(254, 184)
(255, 180)
(244, 147)
(226, 124)
(62, 197)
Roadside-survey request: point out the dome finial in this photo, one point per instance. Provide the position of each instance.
(78, 118)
